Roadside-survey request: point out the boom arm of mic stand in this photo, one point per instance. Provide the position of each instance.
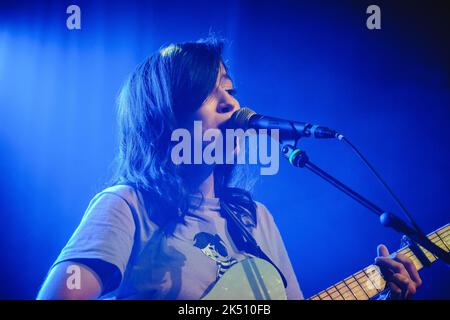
(298, 158)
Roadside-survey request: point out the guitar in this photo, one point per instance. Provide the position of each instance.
(257, 279)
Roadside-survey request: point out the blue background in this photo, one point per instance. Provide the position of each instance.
(387, 90)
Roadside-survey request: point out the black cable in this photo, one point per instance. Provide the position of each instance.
(384, 183)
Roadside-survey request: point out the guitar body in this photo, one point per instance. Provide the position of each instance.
(250, 279)
(257, 279)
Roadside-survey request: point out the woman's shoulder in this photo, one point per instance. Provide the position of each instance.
(116, 196)
(126, 192)
(120, 190)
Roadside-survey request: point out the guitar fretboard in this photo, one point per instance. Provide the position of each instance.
(369, 282)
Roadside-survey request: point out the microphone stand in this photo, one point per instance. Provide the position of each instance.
(298, 158)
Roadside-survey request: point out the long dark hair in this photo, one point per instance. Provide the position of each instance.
(159, 95)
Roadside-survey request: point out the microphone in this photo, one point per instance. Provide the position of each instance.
(246, 118)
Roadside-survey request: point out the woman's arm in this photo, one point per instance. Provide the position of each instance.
(71, 280)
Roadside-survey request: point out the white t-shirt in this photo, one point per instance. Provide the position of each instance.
(116, 228)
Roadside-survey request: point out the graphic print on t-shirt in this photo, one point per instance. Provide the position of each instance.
(213, 247)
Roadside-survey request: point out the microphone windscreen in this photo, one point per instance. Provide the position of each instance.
(241, 117)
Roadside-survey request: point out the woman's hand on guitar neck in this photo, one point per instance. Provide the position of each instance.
(400, 273)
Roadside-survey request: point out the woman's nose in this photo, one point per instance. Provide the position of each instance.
(226, 107)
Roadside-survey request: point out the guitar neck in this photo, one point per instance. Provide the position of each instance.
(369, 281)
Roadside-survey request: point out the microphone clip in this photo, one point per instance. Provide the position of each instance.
(296, 157)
